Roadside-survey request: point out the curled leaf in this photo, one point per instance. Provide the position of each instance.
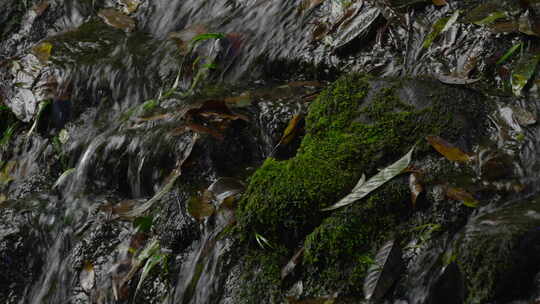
(374, 182)
(448, 150)
(383, 273)
(262, 241)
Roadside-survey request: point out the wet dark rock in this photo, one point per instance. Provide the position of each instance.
(449, 288)
(498, 252)
(20, 262)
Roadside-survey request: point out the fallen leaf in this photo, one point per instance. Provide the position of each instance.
(87, 277)
(63, 177)
(226, 188)
(416, 187)
(455, 80)
(384, 272)
(291, 265)
(440, 2)
(362, 190)
(117, 19)
(484, 14)
(262, 241)
(200, 206)
(447, 149)
(460, 194)
(3, 198)
(292, 129)
(151, 262)
(523, 71)
(43, 51)
(509, 53)
(439, 27)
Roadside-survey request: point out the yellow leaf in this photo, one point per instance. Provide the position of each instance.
(291, 130)
(447, 149)
(42, 51)
(460, 194)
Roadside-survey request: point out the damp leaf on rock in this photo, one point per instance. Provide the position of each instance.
(383, 272)
(200, 206)
(43, 51)
(87, 277)
(448, 150)
(509, 53)
(62, 179)
(439, 2)
(292, 129)
(374, 182)
(151, 262)
(291, 265)
(439, 27)
(465, 197)
(486, 13)
(415, 186)
(523, 71)
(455, 80)
(117, 19)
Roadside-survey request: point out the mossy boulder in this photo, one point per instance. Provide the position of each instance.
(499, 252)
(357, 125)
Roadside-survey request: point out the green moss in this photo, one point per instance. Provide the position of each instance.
(262, 276)
(341, 249)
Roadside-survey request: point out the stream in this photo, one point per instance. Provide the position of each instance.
(132, 133)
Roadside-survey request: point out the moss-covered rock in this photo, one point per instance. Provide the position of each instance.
(355, 126)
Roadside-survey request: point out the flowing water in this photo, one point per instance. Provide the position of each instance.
(76, 188)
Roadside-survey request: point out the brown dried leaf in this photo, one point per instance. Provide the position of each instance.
(440, 2)
(447, 149)
(415, 186)
(460, 194)
(198, 128)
